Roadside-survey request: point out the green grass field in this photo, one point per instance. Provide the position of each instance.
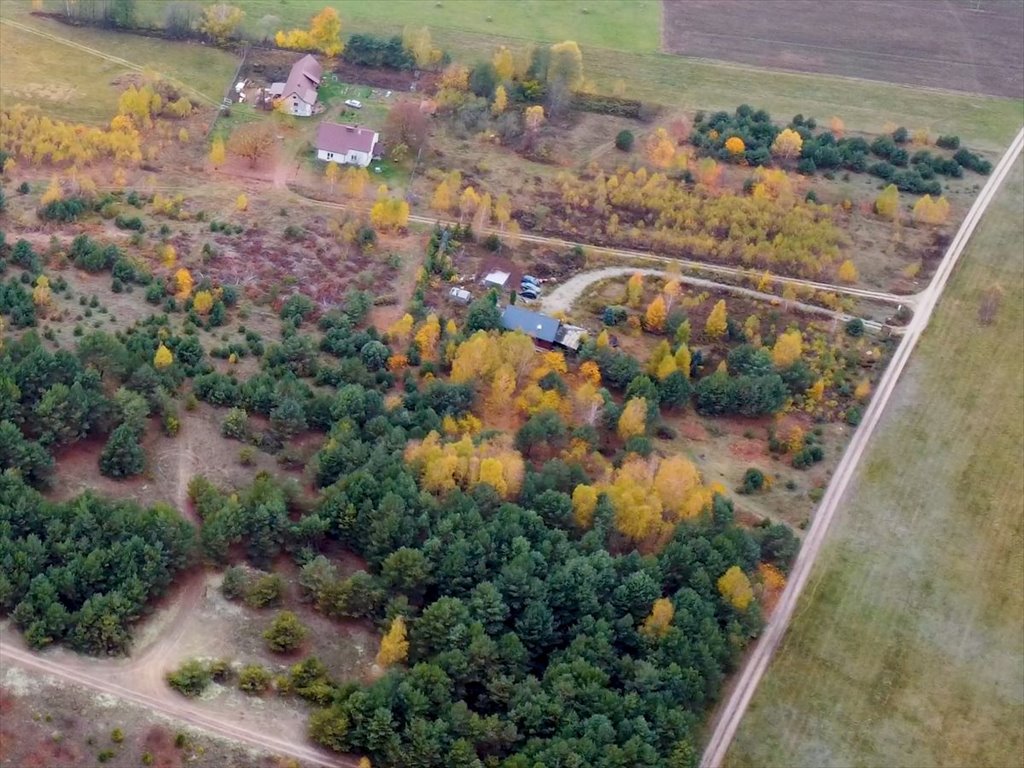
(69, 83)
(906, 651)
(627, 25)
(620, 41)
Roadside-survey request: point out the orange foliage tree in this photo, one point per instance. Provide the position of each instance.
(735, 587)
(394, 647)
(654, 318)
(717, 321)
(735, 146)
(659, 620)
(787, 144)
(633, 420)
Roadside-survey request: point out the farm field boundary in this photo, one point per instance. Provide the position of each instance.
(757, 663)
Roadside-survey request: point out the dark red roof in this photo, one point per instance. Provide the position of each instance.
(304, 78)
(340, 139)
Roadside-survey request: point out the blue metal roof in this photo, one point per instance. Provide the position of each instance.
(532, 324)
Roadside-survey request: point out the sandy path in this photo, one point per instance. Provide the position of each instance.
(565, 295)
(173, 706)
(732, 711)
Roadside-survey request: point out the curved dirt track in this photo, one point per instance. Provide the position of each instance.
(178, 708)
(140, 678)
(743, 690)
(565, 295)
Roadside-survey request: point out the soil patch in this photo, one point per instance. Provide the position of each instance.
(974, 47)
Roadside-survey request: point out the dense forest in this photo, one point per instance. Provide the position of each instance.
(531, 640)
(557, 596)
(83, 570)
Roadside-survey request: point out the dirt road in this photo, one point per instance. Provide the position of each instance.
(181, 709)
(565, 295)
(624, 253)
(732, 711)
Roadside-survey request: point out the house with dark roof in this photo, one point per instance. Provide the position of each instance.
(298, 93)
(543, 329)
(346, 144)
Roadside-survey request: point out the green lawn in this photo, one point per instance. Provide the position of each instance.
(908, 648)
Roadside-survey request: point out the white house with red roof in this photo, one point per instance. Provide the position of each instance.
(346, 144)
(299, 92)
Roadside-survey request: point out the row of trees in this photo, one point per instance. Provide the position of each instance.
(29, 136)
(749, 136)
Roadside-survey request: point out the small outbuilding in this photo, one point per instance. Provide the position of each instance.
(346, 144)
(459, 295)
(496, 279)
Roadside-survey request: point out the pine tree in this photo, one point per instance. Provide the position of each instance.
(285, 633)
(122, 456)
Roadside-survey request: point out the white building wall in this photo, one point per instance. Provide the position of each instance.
(352, 158)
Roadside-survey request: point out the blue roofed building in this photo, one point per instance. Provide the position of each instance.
(543, 329)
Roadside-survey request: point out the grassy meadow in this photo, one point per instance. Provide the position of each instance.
(72, 84)
(620, 41)
(906, 648)
(627, 25)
